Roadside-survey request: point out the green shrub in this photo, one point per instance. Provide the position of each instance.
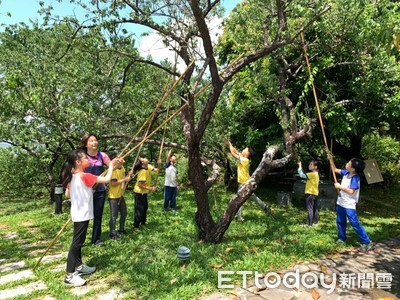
(20, 174)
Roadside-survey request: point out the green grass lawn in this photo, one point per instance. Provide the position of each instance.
(144, 265)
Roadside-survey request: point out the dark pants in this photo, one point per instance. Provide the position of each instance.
(312, 209)
(141, 206)
(170, 197)
(74, 259)
(117, 205)
(99, 199)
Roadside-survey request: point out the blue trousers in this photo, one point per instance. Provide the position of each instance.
(341, 222)
(99, 198)
(170, 197)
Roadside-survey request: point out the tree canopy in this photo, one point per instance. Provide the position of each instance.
(67, 76)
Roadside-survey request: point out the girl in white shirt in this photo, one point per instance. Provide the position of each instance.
(79, 187)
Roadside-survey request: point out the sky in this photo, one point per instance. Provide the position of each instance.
(23, 10)
(15, 11)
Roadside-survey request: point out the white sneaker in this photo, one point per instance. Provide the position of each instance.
(74, 279)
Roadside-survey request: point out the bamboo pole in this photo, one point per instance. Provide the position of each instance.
(154, 131)
(162, 145)
(332, 165)
(52, 243)
(140, 149)
(155, 109)
(223, 71)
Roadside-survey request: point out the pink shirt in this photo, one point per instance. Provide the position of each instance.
(96, 160)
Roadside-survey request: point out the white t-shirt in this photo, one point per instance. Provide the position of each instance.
(171, 173)
(80, 189)
(346, 200)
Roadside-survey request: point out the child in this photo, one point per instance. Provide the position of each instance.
(346, 204)
(243, 174)
(171, 183)
(141, 189)
(79, 188)
(117, 201)
(311, 191)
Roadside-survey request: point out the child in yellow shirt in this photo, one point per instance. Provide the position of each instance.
(311, 190)
(142, 188)
(117, 201)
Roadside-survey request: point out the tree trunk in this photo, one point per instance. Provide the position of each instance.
(347, 153)
(203, 217)
(52, 187)
(216, 232)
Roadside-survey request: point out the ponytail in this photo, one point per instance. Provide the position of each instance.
(72, 157)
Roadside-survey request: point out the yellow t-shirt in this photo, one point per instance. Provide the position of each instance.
(144, 176)
(115, 191)
(243, 169)
(312, 183)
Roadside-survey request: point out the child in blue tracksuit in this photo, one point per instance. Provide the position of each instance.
(349, 189)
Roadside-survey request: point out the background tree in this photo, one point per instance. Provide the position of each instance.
(97, 81)
(184, 26)
(58, 82)
(354, 74)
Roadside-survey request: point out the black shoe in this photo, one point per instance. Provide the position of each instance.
(123, 232)
(114, 237)
(267, 210)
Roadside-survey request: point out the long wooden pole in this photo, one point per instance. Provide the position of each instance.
(52, 242)
(207, 85)
(121, 154)
(161, 149)
(154, 131)
(332, 165)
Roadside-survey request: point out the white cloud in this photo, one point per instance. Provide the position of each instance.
(152, 45)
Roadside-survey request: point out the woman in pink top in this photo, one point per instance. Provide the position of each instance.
(97, 160)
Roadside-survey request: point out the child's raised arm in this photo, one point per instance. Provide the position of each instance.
(300, 170)
(107, 177)
(232, 149)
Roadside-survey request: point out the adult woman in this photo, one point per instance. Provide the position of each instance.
(97, 160)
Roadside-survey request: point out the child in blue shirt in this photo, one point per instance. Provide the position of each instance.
(349, 189)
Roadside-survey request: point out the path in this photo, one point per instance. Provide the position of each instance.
(16, 279)
(346, 275)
